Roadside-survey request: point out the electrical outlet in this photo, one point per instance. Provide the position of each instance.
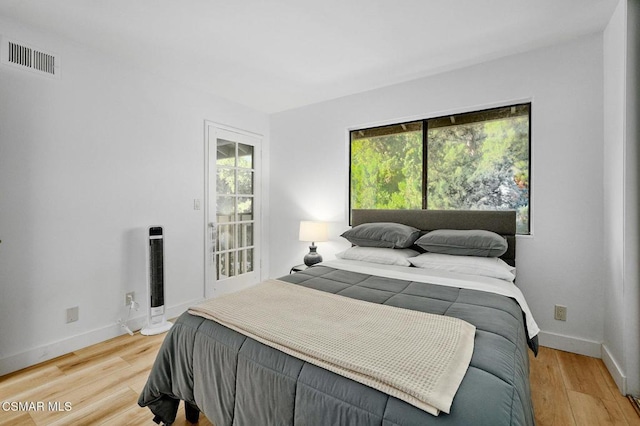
(72, 314)
(560, 313)
(129, 297)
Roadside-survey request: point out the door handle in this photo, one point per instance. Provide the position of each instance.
(213, 238)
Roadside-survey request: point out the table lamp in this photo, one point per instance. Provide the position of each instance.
(313, 231)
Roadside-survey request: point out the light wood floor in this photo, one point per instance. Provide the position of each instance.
(569, 389)
(102, 384)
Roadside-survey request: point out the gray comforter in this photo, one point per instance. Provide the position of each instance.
(236, 380)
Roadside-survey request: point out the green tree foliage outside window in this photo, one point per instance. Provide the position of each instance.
(386, 171)
(475, 161)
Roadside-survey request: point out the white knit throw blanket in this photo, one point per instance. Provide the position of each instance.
(414, 356)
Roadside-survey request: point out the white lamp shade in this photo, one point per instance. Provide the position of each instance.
(313, 231)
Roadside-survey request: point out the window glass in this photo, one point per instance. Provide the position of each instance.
(226, 153)
(245, 156)
(474, 161)
(481, 165)
(386, 167)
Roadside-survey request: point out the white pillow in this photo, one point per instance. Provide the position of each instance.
(470, 265)
(385, 256)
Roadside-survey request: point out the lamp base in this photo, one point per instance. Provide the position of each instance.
(312, 257)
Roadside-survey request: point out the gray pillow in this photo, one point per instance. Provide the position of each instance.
(458, 242)
(382, 234)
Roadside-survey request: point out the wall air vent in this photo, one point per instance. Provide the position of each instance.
(26, 57)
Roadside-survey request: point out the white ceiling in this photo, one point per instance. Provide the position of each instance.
(281, 54)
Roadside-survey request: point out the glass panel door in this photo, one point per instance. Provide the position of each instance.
(233, 221)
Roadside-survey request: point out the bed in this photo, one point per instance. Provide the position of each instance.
(236, 379)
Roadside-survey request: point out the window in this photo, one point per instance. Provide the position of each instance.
(471, 161)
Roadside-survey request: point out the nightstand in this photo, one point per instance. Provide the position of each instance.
(298, 268)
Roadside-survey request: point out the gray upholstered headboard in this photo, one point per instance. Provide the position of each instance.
(500, 222)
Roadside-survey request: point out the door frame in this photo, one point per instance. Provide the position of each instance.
(258, 227)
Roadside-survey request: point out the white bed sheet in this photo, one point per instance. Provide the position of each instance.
(450, 279)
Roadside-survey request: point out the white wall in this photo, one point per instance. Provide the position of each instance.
(621, 343)
(614, 185)
(632, 201)
(87, 163)
(562, 262)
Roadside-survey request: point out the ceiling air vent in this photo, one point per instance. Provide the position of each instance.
(29, 58)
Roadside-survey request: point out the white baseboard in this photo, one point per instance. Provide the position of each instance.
(614, 370)
(52, 350)
(570, 344)
(61, 347)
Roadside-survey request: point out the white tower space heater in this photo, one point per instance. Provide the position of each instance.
(156, 321)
